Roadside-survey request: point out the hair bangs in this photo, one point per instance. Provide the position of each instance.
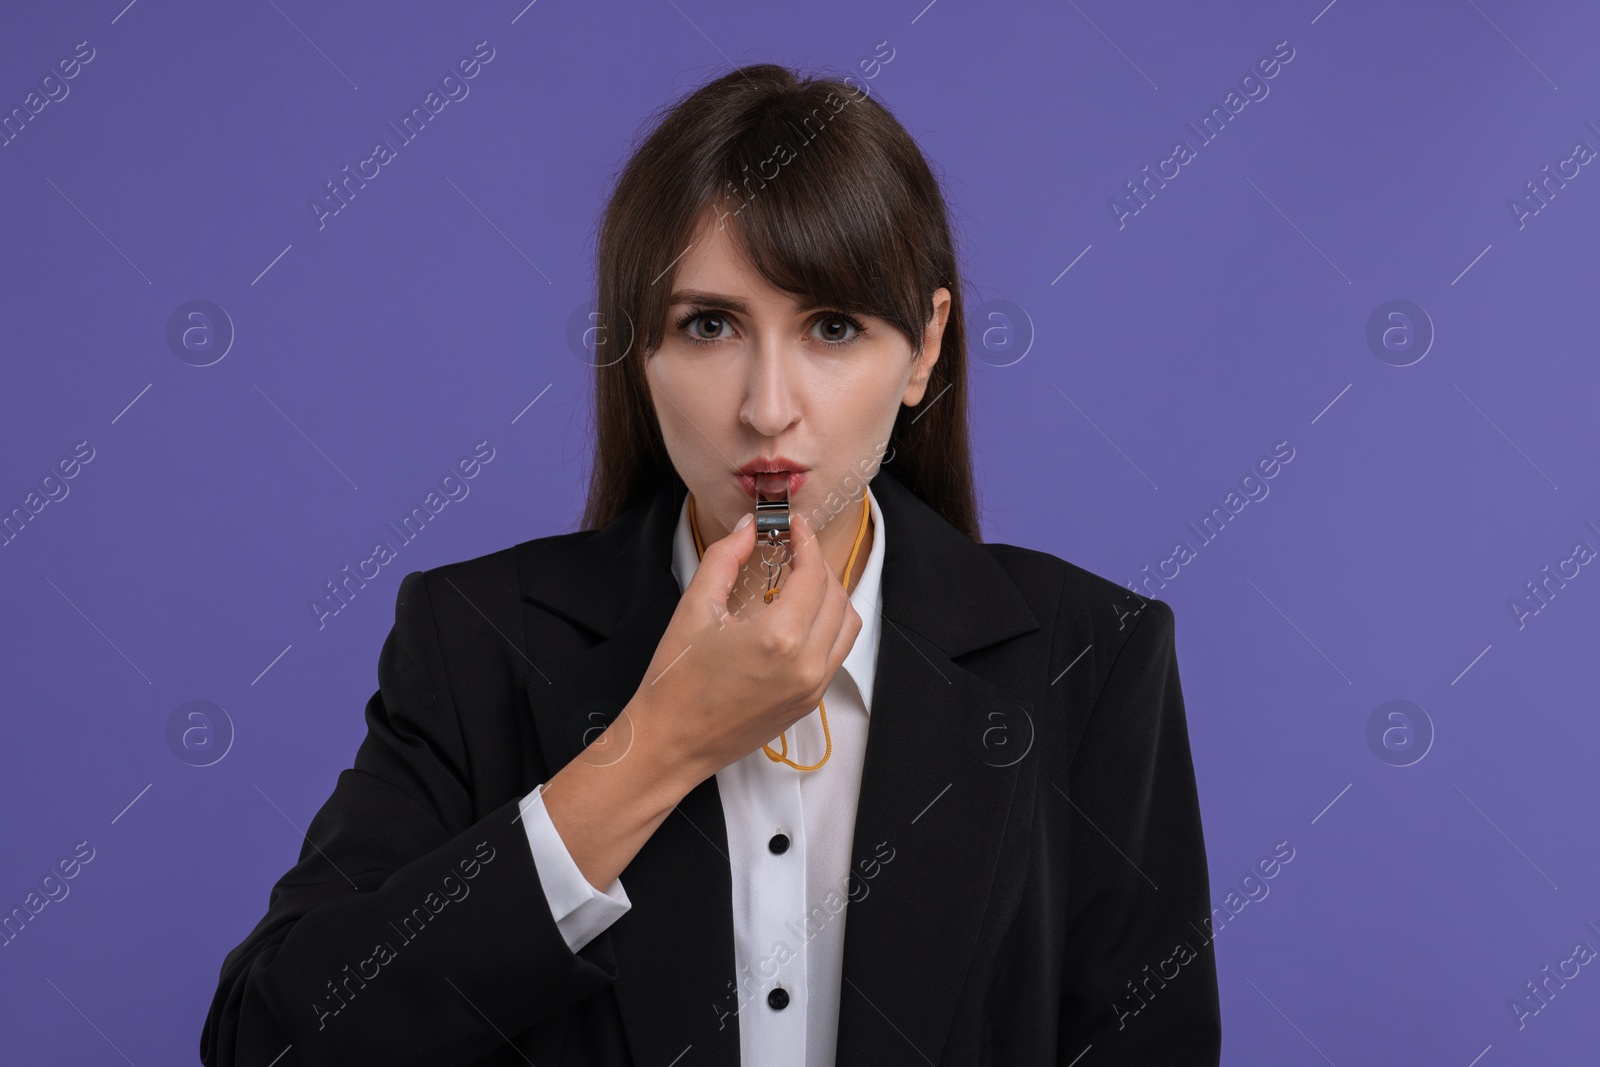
(822, 228)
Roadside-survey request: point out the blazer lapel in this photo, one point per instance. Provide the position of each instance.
(944, 787)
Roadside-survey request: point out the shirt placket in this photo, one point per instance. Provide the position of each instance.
(771, 839)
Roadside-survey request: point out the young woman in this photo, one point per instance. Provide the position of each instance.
(663, 791)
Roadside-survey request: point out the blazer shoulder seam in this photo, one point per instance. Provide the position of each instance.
(1150, 603)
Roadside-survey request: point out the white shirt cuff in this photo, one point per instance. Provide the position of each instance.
(581, 911)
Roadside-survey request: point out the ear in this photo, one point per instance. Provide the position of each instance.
(932, 336)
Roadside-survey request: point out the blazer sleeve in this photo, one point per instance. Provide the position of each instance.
(1140, 979)
(409, 932)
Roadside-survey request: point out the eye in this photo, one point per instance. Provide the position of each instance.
(704, 326)
(692, 323)
(838, 328)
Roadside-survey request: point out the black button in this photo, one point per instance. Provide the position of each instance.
(778, 998)
(779, 844)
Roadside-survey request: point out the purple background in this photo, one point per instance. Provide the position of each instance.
(1228, 314)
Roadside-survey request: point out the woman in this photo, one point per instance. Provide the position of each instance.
(619, 800)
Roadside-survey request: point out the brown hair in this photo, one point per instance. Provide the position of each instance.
(836, 202)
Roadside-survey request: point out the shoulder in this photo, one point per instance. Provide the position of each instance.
(484, 590)
(1085, 613)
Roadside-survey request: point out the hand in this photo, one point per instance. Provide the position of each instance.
(721, 685)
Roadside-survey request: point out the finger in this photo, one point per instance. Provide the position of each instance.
(807, 580)
(830, 612)
(719, 567)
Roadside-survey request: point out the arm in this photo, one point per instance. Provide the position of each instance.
(1140, 979)
(409, 932)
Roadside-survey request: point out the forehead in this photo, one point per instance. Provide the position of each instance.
(713, 263)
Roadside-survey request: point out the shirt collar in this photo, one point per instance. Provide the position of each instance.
(861, 662)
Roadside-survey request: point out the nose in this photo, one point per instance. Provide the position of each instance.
(771, 400)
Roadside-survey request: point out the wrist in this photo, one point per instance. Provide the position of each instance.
(663, 763)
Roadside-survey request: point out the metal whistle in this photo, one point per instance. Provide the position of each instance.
(772, 519)
(772, 535)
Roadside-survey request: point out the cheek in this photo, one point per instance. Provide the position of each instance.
(882, 390)
(858, 419)
(696, 408)
(668, 392)
(693, 398)
(870, 379)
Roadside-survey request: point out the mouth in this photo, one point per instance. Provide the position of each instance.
(772, 484)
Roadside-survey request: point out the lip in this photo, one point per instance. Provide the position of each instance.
(774, 465)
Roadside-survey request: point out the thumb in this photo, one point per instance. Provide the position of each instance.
(719, 567)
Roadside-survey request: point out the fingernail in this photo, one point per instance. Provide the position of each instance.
(744, 520)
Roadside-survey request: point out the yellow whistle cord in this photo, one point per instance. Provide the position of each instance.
(822, 707)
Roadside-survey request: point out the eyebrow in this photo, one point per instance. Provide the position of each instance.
(733, 304)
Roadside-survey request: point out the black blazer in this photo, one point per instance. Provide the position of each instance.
(1028, 873)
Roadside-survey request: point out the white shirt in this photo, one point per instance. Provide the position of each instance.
(789, 908)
